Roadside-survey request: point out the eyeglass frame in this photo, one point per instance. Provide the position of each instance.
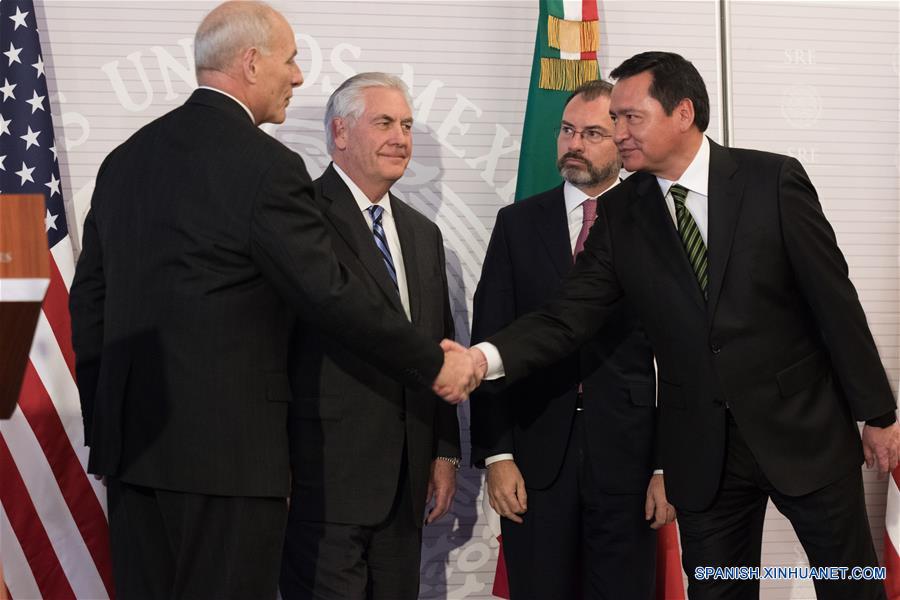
(601, 137)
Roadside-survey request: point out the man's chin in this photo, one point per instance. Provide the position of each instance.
(574, 174)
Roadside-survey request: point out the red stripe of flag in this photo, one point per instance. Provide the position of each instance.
(87, 513)
(892, 568)
(48, 572)
(589, 13)
(589, 10)
(669, 581)
(896, 475)
(56, 309)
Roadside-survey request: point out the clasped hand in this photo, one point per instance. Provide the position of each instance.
(462, 372)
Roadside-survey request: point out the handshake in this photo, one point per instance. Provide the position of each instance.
(463, 370)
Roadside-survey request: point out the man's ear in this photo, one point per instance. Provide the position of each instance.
(685, 113)
(340, 132)
(250, 64)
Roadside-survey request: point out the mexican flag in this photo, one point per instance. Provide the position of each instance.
(565, 56)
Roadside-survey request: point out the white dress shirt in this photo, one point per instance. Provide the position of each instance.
(696, 179)
(390, 232)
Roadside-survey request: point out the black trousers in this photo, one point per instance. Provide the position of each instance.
(337, 561)
(577, 541)
(831, 524)
(169, 544)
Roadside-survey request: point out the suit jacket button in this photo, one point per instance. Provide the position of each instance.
(715, 348)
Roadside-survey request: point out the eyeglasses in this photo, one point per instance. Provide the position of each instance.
(590, 135)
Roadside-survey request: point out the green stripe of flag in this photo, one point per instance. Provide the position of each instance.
(537, 158)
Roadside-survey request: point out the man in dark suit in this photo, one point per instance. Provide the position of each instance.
(201, 237)
(568, 449)
(764, 354)
(367, 452)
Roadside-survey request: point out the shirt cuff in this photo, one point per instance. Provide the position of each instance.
(657, 471)
(494, 362)
(497, 458)
(885, 420)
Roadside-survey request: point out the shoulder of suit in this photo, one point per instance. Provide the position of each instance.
(527, 205)
(757, 158)
(415, 217)
(247, 135)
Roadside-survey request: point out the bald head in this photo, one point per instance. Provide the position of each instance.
(247, 50)
(228, 31)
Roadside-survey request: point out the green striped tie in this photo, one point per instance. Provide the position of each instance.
(690, 236)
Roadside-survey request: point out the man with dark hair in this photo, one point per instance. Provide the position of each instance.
(765, 358)
(568, 450)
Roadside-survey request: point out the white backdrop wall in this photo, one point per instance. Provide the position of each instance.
(817, 80)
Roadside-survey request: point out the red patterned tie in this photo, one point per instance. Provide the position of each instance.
(589, 210)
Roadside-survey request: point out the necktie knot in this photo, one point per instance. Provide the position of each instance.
(376, 212)
(679, 194)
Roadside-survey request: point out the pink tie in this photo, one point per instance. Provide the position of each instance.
(589, 210)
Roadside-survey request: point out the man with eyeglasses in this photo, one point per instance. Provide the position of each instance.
(569, 449)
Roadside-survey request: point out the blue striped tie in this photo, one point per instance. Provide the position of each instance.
(381, 241)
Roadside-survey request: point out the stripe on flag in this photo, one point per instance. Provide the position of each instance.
(892, 537)
(52, 510)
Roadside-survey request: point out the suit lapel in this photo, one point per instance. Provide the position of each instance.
(725, 195)
(553, 229)
(344, 214)
(662, 237)
(409, 243)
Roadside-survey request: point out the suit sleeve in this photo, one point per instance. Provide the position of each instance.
(446, 426)
(587, 299)
(87, 298)
(822, 274)
(494, 308)
(290, 244)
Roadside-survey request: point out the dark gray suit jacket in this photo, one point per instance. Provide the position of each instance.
(782, 341)
(201, 239)
(351, 424)
(529, 255)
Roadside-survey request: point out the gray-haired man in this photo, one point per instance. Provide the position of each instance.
(367, 452)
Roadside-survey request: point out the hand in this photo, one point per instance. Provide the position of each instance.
(506, 490)
(458, 376)
(657, 507)
(441, 488)
(881, 447)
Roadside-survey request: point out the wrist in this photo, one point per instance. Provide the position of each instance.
(449, 459)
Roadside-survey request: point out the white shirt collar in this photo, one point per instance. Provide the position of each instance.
(244, 106)
(575, 197)
(696, 177)
(361, 199)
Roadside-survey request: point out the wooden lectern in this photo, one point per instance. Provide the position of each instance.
(24, 278)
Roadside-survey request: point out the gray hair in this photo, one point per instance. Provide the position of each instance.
(228, 30)
(347, 101)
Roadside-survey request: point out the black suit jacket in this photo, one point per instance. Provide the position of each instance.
(782, 340)
(528, 256)
(201, 237)
(350, 423)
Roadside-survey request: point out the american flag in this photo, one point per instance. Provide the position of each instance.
(54, 540)
(892, 537)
